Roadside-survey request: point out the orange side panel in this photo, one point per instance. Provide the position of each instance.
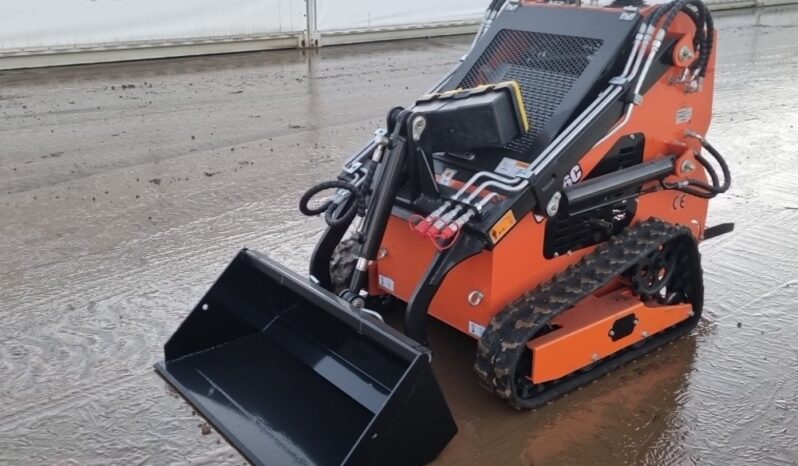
(583, 336)
(407, 257)
(514, 266)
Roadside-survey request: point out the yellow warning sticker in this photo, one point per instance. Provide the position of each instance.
(501, 227)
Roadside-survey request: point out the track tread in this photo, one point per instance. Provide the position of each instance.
(342, 263)
(503, 341)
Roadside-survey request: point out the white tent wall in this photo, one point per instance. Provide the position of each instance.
(337, 15)
(59, 32)
(54, 23)
(343, 22)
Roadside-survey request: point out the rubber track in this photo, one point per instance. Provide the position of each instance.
(342, 263)
(505, 338)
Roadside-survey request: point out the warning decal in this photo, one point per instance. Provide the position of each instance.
(475, 329)
(511, 167)
(502, 227)
(385, 282)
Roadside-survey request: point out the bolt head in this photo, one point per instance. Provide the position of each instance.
(686, 53)
(475, 297)
(382, 253)
(688, 166)
(554, 204)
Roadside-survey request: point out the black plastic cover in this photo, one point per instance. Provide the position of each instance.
(472, 119)
(290, 374)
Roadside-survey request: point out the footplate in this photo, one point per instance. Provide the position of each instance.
(597, 328)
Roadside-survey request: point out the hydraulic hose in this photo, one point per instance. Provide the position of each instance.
(699, 188)
(707, 38)
(330, 208)
(697, 17)
(715, 188)
(702, 19)
(721, 161)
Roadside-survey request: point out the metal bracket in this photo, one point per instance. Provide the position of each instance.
(311, 38)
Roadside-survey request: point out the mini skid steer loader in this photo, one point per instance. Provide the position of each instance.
(547, 198)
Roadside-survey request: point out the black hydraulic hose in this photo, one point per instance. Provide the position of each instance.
(704, 190)
(710, 42)
(713, 175)
(304, 201)
(698, 20)
(330, 209)
(703, 20)
(337, 217)
(661, 10)
(721, 161)
(699, 188)
(365, 188)
(672, 12)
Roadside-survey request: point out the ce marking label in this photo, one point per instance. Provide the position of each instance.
(679, 201)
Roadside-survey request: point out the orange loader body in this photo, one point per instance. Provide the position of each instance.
(517, 263)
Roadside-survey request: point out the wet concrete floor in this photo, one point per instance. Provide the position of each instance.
(126, 188)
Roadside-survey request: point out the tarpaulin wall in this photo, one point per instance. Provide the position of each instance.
(342, 15)
(58, 32)
(57, 23)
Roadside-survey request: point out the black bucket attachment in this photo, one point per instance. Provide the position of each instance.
(291, 374)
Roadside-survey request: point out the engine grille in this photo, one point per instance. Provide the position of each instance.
(545, 65)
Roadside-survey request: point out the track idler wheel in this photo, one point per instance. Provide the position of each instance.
(653, 273)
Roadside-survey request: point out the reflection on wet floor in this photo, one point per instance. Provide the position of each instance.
(615, 420)
(126, 188)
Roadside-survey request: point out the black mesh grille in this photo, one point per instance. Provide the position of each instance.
(545, 65)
